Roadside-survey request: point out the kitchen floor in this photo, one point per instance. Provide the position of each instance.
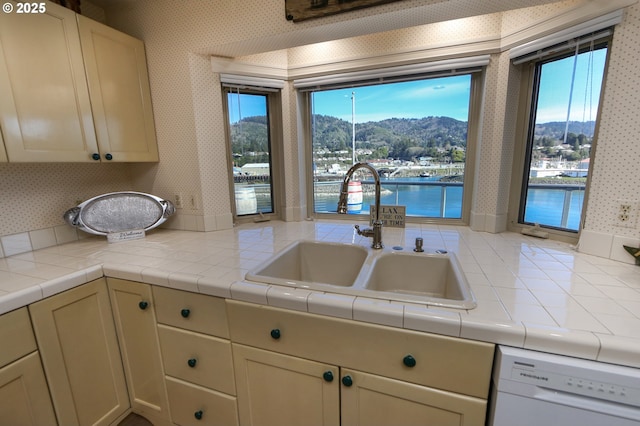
(135, 420)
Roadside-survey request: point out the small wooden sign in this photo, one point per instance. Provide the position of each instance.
(391, 216)
(299, 10)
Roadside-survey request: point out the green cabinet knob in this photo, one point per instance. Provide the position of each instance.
(198, 414)
(328, 376)
(409, 361)
(275, 333)
(95, 156)
(109, 157)
(185, 313)
(347, 381)
(143, 305)
(192, 362)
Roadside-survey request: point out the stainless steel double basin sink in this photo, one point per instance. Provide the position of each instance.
(396, 274)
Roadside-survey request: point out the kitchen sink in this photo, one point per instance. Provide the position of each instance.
(390, 274)
(408, 277)
(312, 263)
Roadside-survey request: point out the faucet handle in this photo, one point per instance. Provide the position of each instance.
(366, 232)
(418, 248)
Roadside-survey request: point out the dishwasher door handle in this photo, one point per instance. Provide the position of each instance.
(585, 402)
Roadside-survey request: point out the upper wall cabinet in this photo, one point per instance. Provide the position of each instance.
(48, 111)
(45, 112)
(116, 69)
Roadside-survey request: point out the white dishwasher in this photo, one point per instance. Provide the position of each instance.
(534, 388)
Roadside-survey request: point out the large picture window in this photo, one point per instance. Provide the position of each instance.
(564, 97)
(415, 132)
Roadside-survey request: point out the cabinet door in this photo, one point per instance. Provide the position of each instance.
(77, 341)
(45, 112)
(24, 396)
(120, 96)
(134, 316)
(276, 389)
(369, 400)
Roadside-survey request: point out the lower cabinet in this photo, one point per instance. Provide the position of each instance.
(297, 368)
(135, 320)
(80, 355)
(24, 395)
(369, 400)
(193, 359)
(197, 358)
(276, 389)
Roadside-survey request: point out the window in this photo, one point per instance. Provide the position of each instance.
(252, 152)
(563, 97)
(417, 132)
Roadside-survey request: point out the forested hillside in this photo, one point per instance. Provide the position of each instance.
(401, 138)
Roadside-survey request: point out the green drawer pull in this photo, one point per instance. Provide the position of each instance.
(198, 414)
(185, 313)
(192, 362)
(409, 361)
(275, 333)
(143, 305)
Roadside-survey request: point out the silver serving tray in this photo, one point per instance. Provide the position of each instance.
(119, 211)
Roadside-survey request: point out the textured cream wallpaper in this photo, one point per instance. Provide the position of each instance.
(34, 196)
(617, 160)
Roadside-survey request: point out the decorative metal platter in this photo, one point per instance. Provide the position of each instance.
(119, 211)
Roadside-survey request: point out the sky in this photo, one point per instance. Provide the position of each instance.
(449, 96)
(554, 92)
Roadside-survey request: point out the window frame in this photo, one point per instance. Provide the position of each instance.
(477, 74)
(274, 121)
(525, 123)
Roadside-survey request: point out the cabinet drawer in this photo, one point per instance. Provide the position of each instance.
(197, 358)
(447, 363)
(191, 311)
(16, 336)
(194, 405)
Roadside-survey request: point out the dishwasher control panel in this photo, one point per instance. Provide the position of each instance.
(571, 376)
(575, 384)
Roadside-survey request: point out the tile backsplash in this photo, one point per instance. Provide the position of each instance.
(38, 239)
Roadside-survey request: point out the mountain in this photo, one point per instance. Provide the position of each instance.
(555, 129)
(403, 138)
(335, 134)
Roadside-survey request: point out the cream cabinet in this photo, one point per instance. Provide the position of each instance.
(67, 101)
(135, 320)
(397, 374)
(77, 341)
(116, 68)
(277, 389)
(197, 357)
(45, 111)
(24, 396)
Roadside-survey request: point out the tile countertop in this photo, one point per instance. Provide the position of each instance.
(531, 293)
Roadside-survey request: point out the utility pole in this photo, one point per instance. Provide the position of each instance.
(353, 127)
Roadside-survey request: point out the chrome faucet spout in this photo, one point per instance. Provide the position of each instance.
(376, 231)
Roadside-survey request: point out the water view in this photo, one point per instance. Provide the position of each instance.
(553, 205)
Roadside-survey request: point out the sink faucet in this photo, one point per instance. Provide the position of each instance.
(376, 232)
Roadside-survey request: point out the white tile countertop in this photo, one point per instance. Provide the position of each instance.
(531, 293)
